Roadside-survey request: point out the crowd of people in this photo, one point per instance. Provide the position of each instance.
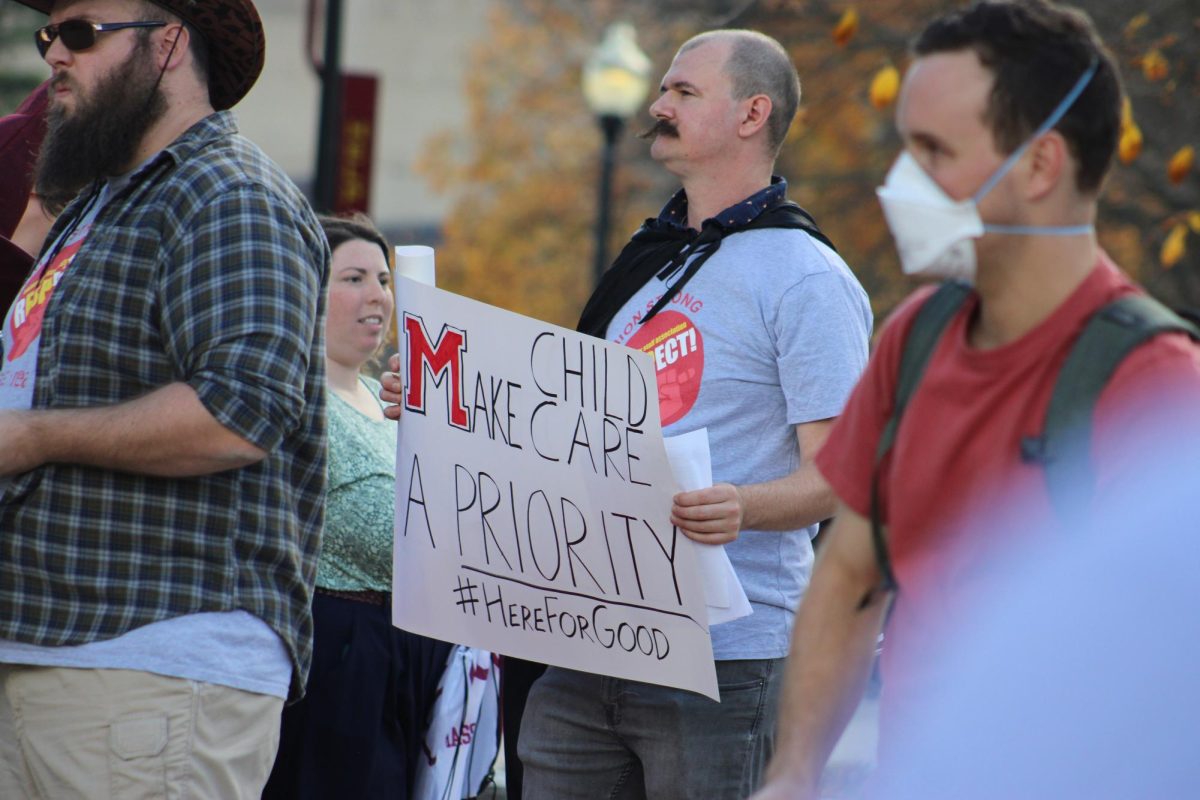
(197, 476)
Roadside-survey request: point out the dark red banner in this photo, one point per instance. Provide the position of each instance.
(357, 146)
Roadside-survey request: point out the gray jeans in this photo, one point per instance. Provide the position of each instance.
(590, 736)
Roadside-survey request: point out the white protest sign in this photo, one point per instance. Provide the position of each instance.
(533, 498)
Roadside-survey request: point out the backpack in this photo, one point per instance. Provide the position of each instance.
(659, 248)
(1112, 332)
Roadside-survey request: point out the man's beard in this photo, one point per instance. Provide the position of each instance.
(100, 138)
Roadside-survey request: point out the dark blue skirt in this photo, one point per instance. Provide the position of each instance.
(359, 730)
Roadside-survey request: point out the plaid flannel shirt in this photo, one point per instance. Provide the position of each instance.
(208, 267)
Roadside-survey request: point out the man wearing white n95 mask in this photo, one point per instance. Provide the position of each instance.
(934, 231)
(1009, 116)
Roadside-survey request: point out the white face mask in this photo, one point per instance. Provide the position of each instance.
(935, 233)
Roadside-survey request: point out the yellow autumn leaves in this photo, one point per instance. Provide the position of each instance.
(1179, 166)
(1152, 61)
(884, 87)
(886, 83)
(1156, 68)
(1175, 245)
(847, 26)
(1154, 65)
(1129, 145)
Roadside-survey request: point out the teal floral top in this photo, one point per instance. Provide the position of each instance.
(356, 549)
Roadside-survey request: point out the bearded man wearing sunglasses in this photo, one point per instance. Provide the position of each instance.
(161, 419)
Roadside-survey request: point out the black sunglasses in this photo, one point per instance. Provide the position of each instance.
(80, 34)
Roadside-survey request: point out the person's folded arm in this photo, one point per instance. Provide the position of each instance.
(167, 432)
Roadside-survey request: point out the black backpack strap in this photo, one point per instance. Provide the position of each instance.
(1190, 315)
(786, 214)
(698, 250)
(1111, 334)
(927, 327)
(653, 246)
(660, 249)
(790, 215)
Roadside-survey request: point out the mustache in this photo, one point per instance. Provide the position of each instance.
(59, 79)
(660, 128)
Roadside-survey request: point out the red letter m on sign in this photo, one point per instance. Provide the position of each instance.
(443, 362)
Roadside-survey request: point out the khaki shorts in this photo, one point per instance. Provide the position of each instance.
(114, 733)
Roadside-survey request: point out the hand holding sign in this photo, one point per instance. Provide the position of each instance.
(416, 262)
(391, 390)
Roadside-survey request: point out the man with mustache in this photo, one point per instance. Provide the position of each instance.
(759, 330)
(162, 435)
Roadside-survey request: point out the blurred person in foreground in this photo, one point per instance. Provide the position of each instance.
(358, 731)
(1070, 672)
(774, 329)
(162, 420)
(1009, 116)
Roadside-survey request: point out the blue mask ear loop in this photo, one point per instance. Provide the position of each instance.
(1057, 114)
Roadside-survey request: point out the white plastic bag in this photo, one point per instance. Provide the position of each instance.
(463, 737)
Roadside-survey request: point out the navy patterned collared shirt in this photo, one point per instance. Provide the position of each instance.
(675, 212)
(207, 267)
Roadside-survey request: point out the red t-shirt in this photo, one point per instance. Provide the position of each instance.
(954, 488)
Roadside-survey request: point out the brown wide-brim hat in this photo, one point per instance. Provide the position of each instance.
(234, 34)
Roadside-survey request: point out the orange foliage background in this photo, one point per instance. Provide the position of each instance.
(524, 170)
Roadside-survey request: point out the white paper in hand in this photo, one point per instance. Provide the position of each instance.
(691, 463)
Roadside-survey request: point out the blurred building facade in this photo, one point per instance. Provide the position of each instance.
(418, 52)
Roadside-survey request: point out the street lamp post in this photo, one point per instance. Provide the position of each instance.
(615, 80)
(329, 69)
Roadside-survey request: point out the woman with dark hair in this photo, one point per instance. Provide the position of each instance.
(359, 729)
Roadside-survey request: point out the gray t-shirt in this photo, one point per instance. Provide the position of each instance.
(771, 332)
